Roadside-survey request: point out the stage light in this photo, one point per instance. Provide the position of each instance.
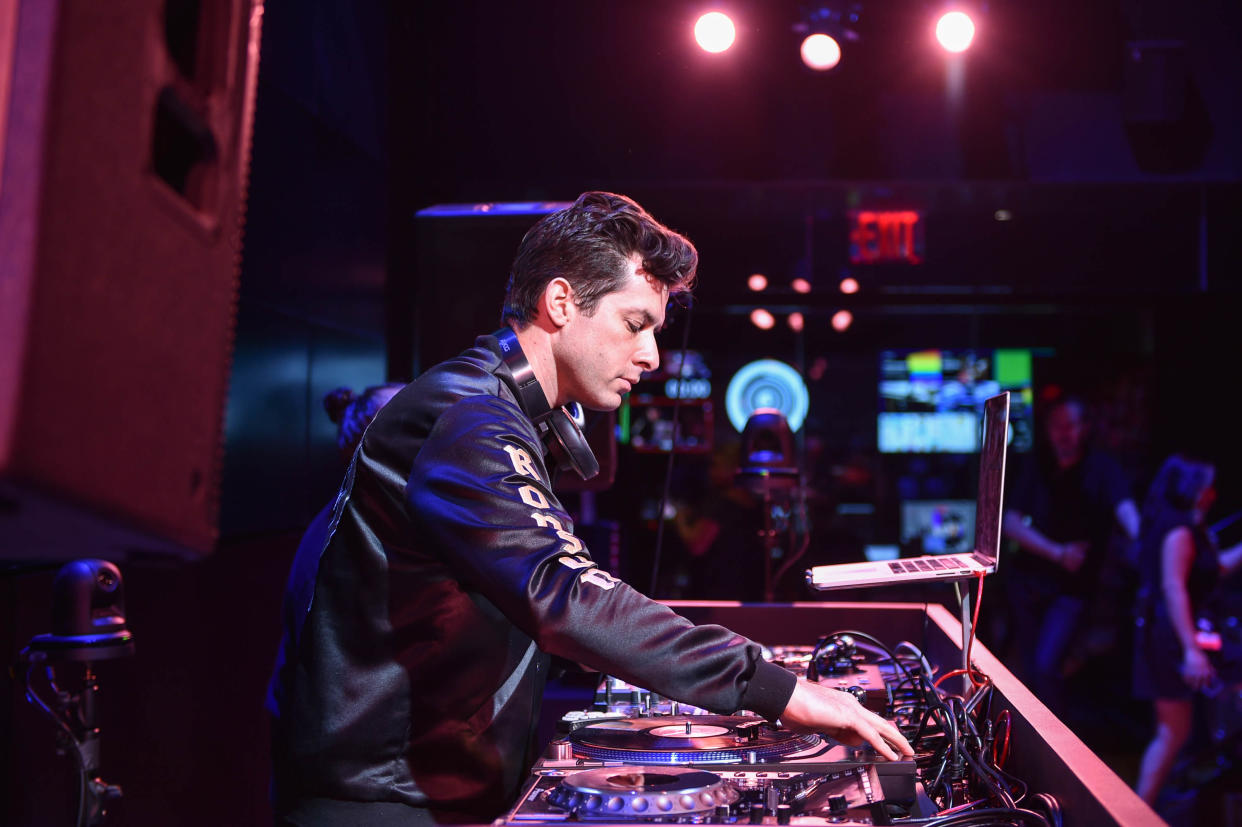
(824, 28)
(955, 30)
(820, 52)
(796, 322)
(767, 383)
(841, 320)
(849, 285)
(714, 32)
(762, 319)
(757, 282)
(800, 285)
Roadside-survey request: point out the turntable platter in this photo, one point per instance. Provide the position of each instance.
(687, 739)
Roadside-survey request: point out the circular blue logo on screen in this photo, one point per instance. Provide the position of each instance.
(767, 383)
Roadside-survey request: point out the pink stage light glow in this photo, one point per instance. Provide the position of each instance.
(714, 32)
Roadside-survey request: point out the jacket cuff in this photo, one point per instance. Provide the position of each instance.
(770, 689)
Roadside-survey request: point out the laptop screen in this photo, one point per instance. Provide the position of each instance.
(991, 478)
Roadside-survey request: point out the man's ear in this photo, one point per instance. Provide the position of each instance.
(558, 299)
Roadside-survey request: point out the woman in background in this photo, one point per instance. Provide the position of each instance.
(1179, 569)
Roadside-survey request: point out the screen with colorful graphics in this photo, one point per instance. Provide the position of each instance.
(931, 400)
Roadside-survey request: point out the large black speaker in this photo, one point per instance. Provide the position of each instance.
(125, 141)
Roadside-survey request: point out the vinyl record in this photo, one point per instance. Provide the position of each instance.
(686, 739)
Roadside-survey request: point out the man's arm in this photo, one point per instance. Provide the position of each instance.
(479, 495)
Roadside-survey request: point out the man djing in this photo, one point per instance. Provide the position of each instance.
(450, 576)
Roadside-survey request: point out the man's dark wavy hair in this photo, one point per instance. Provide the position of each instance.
(589, 243)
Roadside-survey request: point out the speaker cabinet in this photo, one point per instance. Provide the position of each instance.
(125, 145)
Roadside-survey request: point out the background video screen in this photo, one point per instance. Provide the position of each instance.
(938, 526)
(931, 400)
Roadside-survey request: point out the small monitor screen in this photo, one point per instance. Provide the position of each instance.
(938, 526)
(931, 400)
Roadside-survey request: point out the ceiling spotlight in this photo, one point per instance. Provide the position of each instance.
(820, 52)
(825, 27)
(757, 282)
(796, 322)
(714, 32)
(841, 320)
(762, 319)
(800, 285)
(849, 284)
(955, 31)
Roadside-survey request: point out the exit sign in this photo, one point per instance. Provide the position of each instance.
(882, 236)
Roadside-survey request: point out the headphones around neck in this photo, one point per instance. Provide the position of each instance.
(559, 428)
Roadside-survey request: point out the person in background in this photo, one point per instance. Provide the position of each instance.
(1062, 511)
(352, 413)
(1180, 568)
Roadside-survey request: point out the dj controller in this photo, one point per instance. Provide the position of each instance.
(635, 757)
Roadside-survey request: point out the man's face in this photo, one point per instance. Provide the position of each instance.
(1067, 431)
(601, 356)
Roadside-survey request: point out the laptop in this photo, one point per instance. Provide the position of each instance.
(954, 566)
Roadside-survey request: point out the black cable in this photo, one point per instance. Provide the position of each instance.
(672, 451)
(72, 746)
(873, 640)
(991, 817)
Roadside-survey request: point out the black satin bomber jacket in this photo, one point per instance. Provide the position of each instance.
(421, 617)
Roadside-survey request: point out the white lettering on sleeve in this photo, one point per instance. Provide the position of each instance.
(522, 463)
(533, 497)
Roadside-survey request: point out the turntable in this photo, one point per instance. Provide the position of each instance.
(724, 769)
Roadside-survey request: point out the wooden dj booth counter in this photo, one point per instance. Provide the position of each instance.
(1045, 753)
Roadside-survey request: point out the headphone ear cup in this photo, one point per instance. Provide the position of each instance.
(565, 442)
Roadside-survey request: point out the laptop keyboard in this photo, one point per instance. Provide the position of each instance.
(933, 564)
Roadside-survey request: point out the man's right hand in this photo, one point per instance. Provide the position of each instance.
(840, 716)
(1073, 555)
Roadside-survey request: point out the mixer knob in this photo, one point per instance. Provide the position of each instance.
(837, 805)
(783, 813)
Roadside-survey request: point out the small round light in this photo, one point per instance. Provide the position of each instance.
(796, 322)
(1003, 215)
(757, 282)
(762, 319)
(849, 284)
(714, 32)
(841, 320)
(820, 52)
(955, 31)
(801, 285)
